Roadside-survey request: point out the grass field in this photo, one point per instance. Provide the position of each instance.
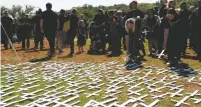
(9, 57)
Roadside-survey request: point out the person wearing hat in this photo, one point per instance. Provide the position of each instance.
(195, 19)
(6, 24)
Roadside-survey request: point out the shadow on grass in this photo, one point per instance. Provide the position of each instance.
(183, 69)
(41, 59)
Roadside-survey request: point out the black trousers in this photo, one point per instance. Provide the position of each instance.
(174, 50)
(51, 39)
(38, 38)
(70, 40)
(24, 39)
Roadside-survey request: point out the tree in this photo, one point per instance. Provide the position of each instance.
(15, 11)
(29, 9)
(3, 9)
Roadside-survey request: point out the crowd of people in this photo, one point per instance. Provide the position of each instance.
(166, 29)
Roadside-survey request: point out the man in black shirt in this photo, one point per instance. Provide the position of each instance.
(164, 22)
(174, 31)
(61, 36)
(184, 17)
(134, 11)
(72, 31)
(195, 19)
(137, 14)
(49, 26)
(99, 19)
(6, 23)
(38, 35)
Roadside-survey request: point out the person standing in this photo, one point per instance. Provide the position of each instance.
(121, 26)
(38, 34)
(81, 36)
(164, 22)
(82, 17)
(100, 19)
(191, 40)
(174, 31)
(25, 33)
(151, 24)
(134, 11)
(61, 35)
(114, 33)
(49, 24)
(7, 25)
(72, 31)
(195, 19)
(184, 17)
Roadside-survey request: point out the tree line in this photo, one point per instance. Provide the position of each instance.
(89, 11)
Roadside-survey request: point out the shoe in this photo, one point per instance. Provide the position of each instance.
(51, 55)
(70, 55)
(60, 51)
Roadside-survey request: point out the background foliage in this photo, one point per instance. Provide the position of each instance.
(18, 11)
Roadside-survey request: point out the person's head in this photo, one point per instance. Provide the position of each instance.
(92, 25)
(82, 16)
(39, 11)
(199, 4)
(62, 12)
(130, 25)
(183, 6)
(100, 11)
(110, 13)
(48, 6)
(155, 8)
(26, 16)
(133, 5)
(171, 14)
(171, 4)
(74, 11)
(191, 8)
(150, 12)
(6, 14)
(119, 13)
(115, 11)
(81, 23)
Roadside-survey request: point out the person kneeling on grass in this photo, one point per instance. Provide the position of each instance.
(132, 39)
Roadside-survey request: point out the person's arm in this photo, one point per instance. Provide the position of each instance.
(41, 25)
(57, 24)
(166, 33)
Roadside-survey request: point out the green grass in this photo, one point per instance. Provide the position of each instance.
(122, 97)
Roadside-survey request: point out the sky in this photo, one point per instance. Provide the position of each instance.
(66, 4)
